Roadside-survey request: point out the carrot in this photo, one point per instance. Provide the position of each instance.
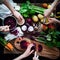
(9, 46)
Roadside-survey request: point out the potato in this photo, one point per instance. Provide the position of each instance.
(40, 16)
(35, 18)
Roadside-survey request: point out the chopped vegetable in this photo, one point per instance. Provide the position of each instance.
(9, 46)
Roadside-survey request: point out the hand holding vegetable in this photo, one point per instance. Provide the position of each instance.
(4, 28)
(52, 20)
(26, 53)
(19, 17)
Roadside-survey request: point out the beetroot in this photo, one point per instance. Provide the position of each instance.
(15, 32)
(11, 21)
(39, 48)
(23, 44)
(29, 21)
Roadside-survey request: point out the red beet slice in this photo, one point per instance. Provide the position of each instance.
(23, 44)
(11, 21)
(40, 48)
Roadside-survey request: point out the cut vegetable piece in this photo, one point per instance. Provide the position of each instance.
(24, 44)
(40, 48)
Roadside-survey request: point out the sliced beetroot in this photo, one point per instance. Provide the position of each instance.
(11, 21)
(40, 48)
(15, 32)
(23, 44)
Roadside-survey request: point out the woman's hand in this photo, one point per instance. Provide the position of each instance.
(4, 28)
(26, 53)
(28, 50)
(18, 16)
(52, 20)
(35, 56)
(47, 12)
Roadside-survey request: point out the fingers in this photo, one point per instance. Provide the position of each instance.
(30, 46)
(20, 18)
(5, 28)
(31, 52)
(35, 54)
(47, 23)
(36, 57)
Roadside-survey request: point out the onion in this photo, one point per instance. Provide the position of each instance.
(29, 21)
(24, 28)
(30, 29)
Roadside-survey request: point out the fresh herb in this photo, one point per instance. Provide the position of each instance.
(52, 38)
(30, 9)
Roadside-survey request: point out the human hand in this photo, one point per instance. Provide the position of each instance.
(19, 17)
(26, 53)
(4, 28)
(47, 12)
(28, 50)
(35, 56)
(51, 20)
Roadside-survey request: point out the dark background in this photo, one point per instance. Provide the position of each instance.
(34, 1)
(12, 56)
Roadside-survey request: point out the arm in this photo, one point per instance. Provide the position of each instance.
(53, 5)
(14, 12)
(57, 21)
(9, 6)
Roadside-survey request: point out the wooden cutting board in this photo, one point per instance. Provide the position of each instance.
(52, 53)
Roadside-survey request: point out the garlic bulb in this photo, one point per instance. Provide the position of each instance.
(24, 28)
(30, 29)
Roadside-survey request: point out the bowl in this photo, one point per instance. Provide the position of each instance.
(10, 21)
